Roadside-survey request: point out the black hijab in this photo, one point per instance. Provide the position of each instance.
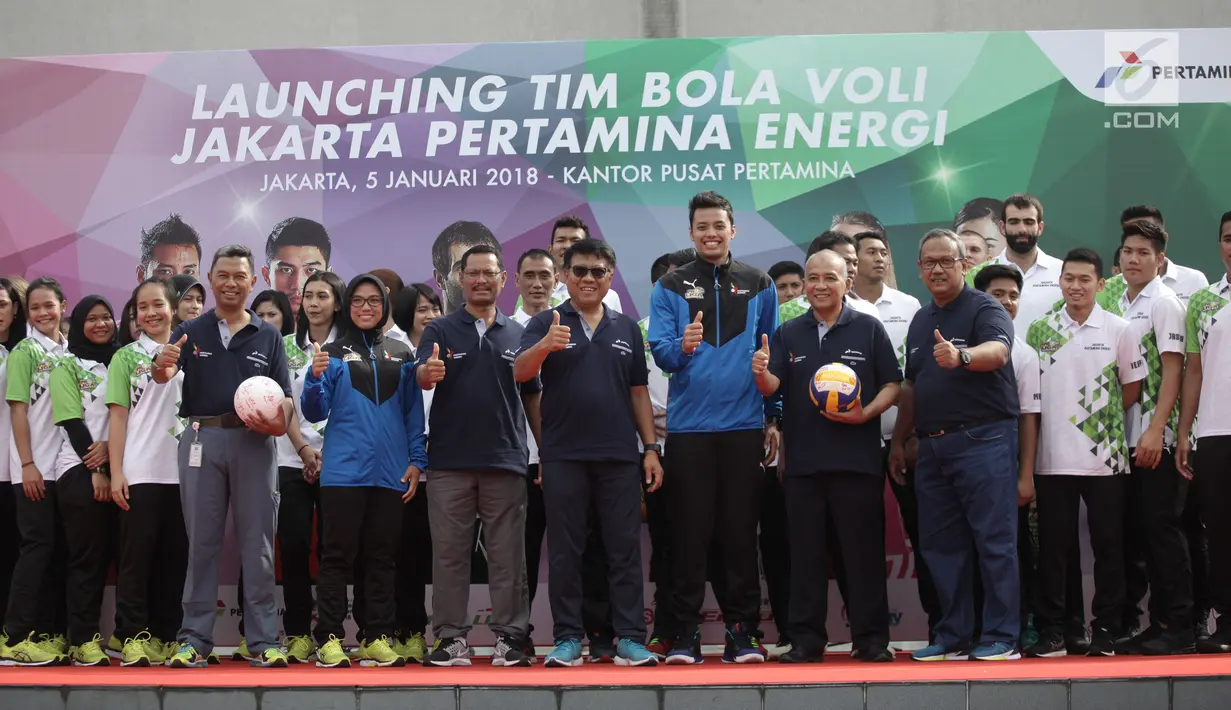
(348, 326)
(183, 282)
(79, 344)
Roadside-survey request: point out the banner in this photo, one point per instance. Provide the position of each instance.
(405, 153)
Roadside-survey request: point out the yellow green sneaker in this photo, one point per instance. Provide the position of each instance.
(241, 652)
(136, 652)
(90, 653)
(186, 656)
(299, 649)
(51, 645)
(272, 657)
(415, 648)
(60, 641)
(31, 653)
(378, 653)
(157, 650)
(115, 647)
(331, 655)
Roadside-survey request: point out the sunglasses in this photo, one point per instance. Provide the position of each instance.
(598, 272)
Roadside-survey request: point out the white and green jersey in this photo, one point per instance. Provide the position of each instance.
(79, 391)
(1208, 334)
(560, 295)
(896, 310)
(151, 443)
(29, 370)
(299, 362)
(6, 429)
(1026, 371)
(1041, 292)
(1083, 367)
(657, 385)
(799, 306)
(1157, 319)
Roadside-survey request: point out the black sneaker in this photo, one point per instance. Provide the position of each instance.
(449, 652)
(602, 649)
(874, 654)
(1077, 641)
(1104, 643)
(1131, 631)
(1171, 643)
(1049, 645)
(1201, 626)
(798, 654)
(508, 653)
(1132, 647)
(743, 646)
(527, 649)
(1218, 642)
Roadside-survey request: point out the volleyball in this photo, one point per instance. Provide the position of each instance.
(258, 397)
(834, 388)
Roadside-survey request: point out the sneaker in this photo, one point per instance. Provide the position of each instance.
(212, 659)
(1168, 643)
(449, 652)
(1030, 635)
(998, 651)
(186, 656)
(377, 652)
(508, 654)
(133, 653)
(241, 653)
(1201, 626)
(60, 642)
(52, 645)
(158, 651)
(31, 653)
(941, 652)
(1051, 644)
(415, 648)
(1218, 642)
(659, 646)
(799, 654)
(1132, 646)
(566, 654)
(90, 653)
(781, 648)
(299, 649)
(1077, 641)
(115, 647)
(742, 646)
(1103, 644)
(873, 654)
(686, 651)
(602, 650)
(1131, 631)
(632, 653)
(272, 657)
(331, 655)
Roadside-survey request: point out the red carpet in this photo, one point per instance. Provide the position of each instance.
(836, 669)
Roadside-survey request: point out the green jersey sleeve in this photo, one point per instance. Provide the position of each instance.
(119, 378)
(65, 392)
(22, 364)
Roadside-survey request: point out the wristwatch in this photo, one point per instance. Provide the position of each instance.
(656, 448)
(964, 356)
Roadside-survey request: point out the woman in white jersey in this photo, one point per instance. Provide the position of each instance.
(12, 332)
(299, 463)
(145, 433)
(79, 407)
(38, 577)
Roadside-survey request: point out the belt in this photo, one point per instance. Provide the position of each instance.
(230, 420)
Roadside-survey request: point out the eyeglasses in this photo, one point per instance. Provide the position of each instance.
(598, 272)
(946, 263)
(474, 275)
(370, 302)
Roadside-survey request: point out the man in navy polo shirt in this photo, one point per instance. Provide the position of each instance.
(224, 461)
(477, 460)
(834, 461)
(590, 354)
(960, 397)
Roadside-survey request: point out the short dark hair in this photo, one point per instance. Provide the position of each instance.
(707, 199)
(1021, 200)
(390, 280)
(991, 272)
(536, 254)
(1115, 258)
(482, 249)
(1140, 212)
(408, 302)
(1082, 255)
(460, 233)
(662, 265)
(866, 220)
(298, 232)
(234, 251)
(590, 247)
(336, 286)
(1226, 217)
(48, 283)
(1148, 230)
(783, 268)
(864, 236)
(570, 221)
(282, 303)
(172, 230)
(17, 328)
(978, 208)
(830, 239)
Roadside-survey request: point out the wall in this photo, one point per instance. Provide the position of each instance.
(50, 27)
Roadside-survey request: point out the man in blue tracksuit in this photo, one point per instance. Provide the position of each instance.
(706, 321)
(375, 449)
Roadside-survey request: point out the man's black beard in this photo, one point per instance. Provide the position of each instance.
(1021, 248)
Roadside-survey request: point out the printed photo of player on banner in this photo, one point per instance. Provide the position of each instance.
(348, 160)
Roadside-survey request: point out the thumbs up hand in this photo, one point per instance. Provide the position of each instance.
(945, 352)
(557, 337)
(693, 335)
(320, 360)
(760, 359)
(433, 370)
(169, 356)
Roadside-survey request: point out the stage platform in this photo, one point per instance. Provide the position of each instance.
(1125, 683)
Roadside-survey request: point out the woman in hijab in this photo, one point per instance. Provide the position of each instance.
(375, 449)
(190, 295)
(79, 405)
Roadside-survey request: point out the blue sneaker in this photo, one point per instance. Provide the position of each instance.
(742, 646)
(940, 652)
(687, 651)
(566, 653)
(999, 651)
(631, 653)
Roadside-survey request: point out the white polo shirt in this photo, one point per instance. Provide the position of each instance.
(1183, 280)
(299, 361)
(151, 439)
(1026, 371)
(1157, 319)
(29, 371)
(1083, 367)
(895, 311)
(1040, 288)
(79, 391)
(1209, 334)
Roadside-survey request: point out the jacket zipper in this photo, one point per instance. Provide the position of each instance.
(717, 310)
(375, 374)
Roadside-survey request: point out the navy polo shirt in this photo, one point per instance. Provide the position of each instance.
(813, 443)
(213, 370)
(477, 420)
(587, 406)
(952, 399)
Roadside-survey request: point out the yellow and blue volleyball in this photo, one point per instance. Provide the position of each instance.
(834, 388)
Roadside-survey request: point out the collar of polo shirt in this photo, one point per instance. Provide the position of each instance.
(1222, 285)
(1150, 290)
(468, 317)
(1094, 320)
(844, 316)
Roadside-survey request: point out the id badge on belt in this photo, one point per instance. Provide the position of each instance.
(195, 448)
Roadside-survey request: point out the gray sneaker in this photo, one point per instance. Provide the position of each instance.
(449, 652)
